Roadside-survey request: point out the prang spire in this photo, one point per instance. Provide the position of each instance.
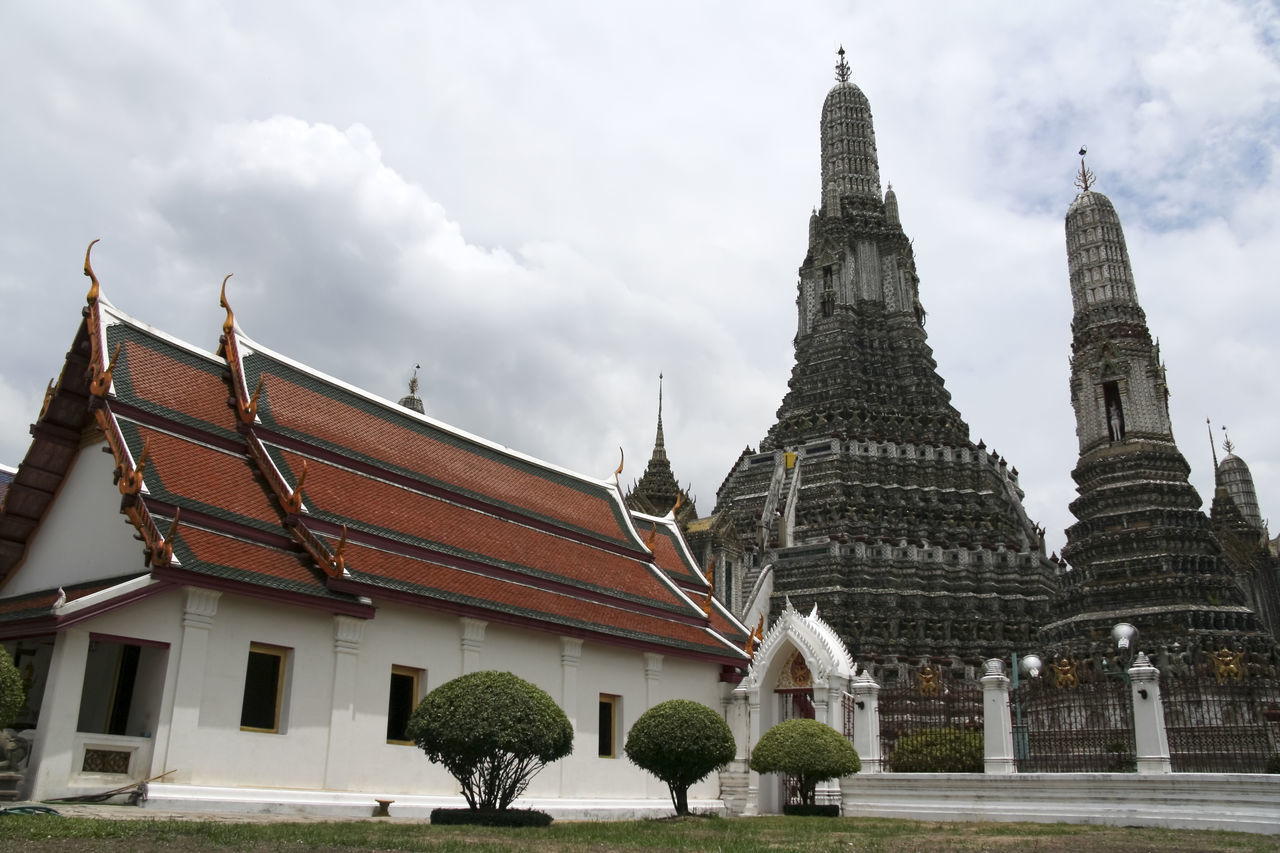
(659, 446)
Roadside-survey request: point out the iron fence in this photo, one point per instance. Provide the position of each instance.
(1074, 719)
(1219, 724)
(926, 699)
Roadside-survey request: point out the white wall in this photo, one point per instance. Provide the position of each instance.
(303, 755)
(84, 536)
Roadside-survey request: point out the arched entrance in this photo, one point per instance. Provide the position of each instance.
(801, 669)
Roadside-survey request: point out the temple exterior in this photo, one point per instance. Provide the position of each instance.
(1142, 550)
(867, 494)
(235, 577)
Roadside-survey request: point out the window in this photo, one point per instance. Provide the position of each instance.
(403, 699)
(608, 725)
(263, 688)
(1114, 407)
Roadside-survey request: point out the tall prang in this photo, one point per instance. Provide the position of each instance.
(867, 496)
(1142, 551)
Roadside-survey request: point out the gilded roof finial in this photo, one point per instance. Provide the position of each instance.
(622, 459)
(92, 296)
(1085, 179)
(842, 67)
(229, 324)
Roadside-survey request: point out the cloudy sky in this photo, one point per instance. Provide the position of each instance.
(547, 204)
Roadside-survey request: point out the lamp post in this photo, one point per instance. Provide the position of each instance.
(1123, 634)
(1029, 664)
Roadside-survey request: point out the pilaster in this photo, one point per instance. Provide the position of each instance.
(472, 643)
(348, 632)
(188, 693)
(652, 678)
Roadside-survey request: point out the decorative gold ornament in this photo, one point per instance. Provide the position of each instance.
(1226, 664)
(1064, 673)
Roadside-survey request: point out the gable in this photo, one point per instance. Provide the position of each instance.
(84, 537)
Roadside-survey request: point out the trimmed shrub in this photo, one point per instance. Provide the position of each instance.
(12, 694)
(680, 742)
(493, 731)
(801, 810)
(937, 751)
(489, 817)
(806, 750)
(1273, 763)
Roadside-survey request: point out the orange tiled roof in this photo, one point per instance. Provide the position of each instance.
(328, 415)
(437, 518)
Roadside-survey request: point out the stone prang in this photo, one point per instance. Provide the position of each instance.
(1142, 551)
(868, 495)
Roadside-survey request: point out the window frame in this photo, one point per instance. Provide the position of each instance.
(281, 653)
(614, 703)
(419, 677)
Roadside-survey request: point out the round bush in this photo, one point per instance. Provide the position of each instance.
(680, 742)
(12, 694)
(937, 751)
(493, 731)
(806, 750)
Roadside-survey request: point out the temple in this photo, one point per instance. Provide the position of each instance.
(235, 577)
(867, 494)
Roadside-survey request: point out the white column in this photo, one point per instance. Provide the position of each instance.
(997, 722)
(866, 722)
(652, 678)
(828, 708)
(348, 631)
(472, 643)
(52, 751)
(1150, 740)
(188, 693)
(753, 729)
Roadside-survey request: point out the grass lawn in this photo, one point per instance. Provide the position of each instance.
(44, 833)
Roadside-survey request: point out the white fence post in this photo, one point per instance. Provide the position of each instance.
(997, 724)
(866, 722)
(1151, 742)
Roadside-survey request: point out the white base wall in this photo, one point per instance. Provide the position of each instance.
(1240, 802)
(346, 804)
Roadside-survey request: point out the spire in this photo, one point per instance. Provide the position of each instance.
(1212, 449)
(413, 401)
(842, 67)
(850, 168)
(1085, 178)
(659, 446)
(657, 491)
(1097, 258)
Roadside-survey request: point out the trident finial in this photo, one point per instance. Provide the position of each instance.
(1085, 179)
(1226, 441)
(842, 67)
(413, 381)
